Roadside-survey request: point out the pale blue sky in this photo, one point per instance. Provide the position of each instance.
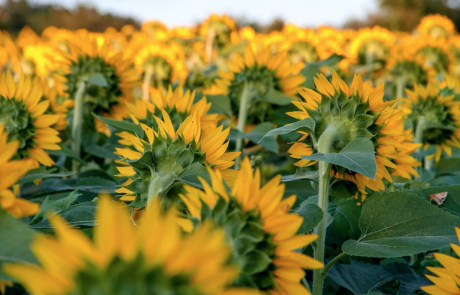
(187, 12)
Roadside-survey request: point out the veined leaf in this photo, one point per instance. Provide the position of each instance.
(122, 125)
(220, 104)
(82, 214)
(257, 135)
(277, 98)
(345, 225)
(312, 215)
(307, 125)
(400, 224)
(54, 205)
(358, 156)
(41, 173)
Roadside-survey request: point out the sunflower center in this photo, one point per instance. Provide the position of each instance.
(260, 80)
(18, 123)
(253, 248)
(161, 71)
(97, 99)
(303, 51)
(132, 277)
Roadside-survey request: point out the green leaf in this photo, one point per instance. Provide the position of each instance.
(307, 125)
(345, 225)
(299, 175)
(95, 184)
(220, 104)
(122, 125)
(452, 201)
(363, 278)
(312, 215)
(358, 156)
(54, 205)
(41, 173)
(98, 80)
(256, 136)
(312, 69)
(15, 240)
(277, 98)
(191, 173)
(82, 214)
(400, 224)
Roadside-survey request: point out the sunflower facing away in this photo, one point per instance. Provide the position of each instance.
(86, 57)
(258, 227)
(155, 158)
(24, 119)
(358, 111)
(263, 72)
(10, 172)
(435, 118)
(152, 257)
(436, 25)
(446, 280)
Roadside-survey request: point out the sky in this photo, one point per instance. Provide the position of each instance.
(187, 12)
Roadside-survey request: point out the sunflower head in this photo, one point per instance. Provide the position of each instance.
(261, 72)
(88, 58)
(351, 112)
(432, 52)
(258, 227)
(446, 279)
(220, 27)
(155, 159)
(436, 25)
(25, 120)
(435, 118)
(152, 256)
(10, 172)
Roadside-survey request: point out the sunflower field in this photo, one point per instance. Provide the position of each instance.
(217, 160)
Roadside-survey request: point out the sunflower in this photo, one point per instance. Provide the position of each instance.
(161, 64)
(431, 51)
(10, 172)
(218, 28)
(259, 228)
(356, 111)
(25, 120)
(371, 47)
(151, 257)
(446, 280)
(157, 157)
(263, 72)
(436, 118)
(88, 57)
(436, 25)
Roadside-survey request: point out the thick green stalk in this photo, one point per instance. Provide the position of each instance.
(419, 130)
(146, 84)
(77, 124)
(400, 87)
(242, 117)
(324, 146)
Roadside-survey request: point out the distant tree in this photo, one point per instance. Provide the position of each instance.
(16, 14)
(404, 15)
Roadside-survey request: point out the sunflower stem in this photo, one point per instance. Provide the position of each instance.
(400, 87)
(305, 283)
(325, 270)
(419, 130)
(77, 125)
(324, 146)
(209, 45)
(242, 117)
(147, 78)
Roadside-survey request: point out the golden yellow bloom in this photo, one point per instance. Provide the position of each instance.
(86, 57)
(362, 113)
(436, 25)
(10, 172)
(435, 118)
(25, 120)
(446, 280)
(263, 71)
(219, 28)
(152, 256)
(256, 216)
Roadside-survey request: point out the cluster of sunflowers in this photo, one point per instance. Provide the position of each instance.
(167, 161)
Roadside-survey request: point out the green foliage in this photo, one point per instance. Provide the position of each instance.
(400, 224)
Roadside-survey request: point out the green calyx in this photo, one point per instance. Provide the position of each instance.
(373, 52)
(438, 122)
(252, 248)
(435, 57)
(98, 99)
(410, 72)
(260, 80)
(18, 123)
(161, 71)
(131, 277)
(158, 169)
(303, 51)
